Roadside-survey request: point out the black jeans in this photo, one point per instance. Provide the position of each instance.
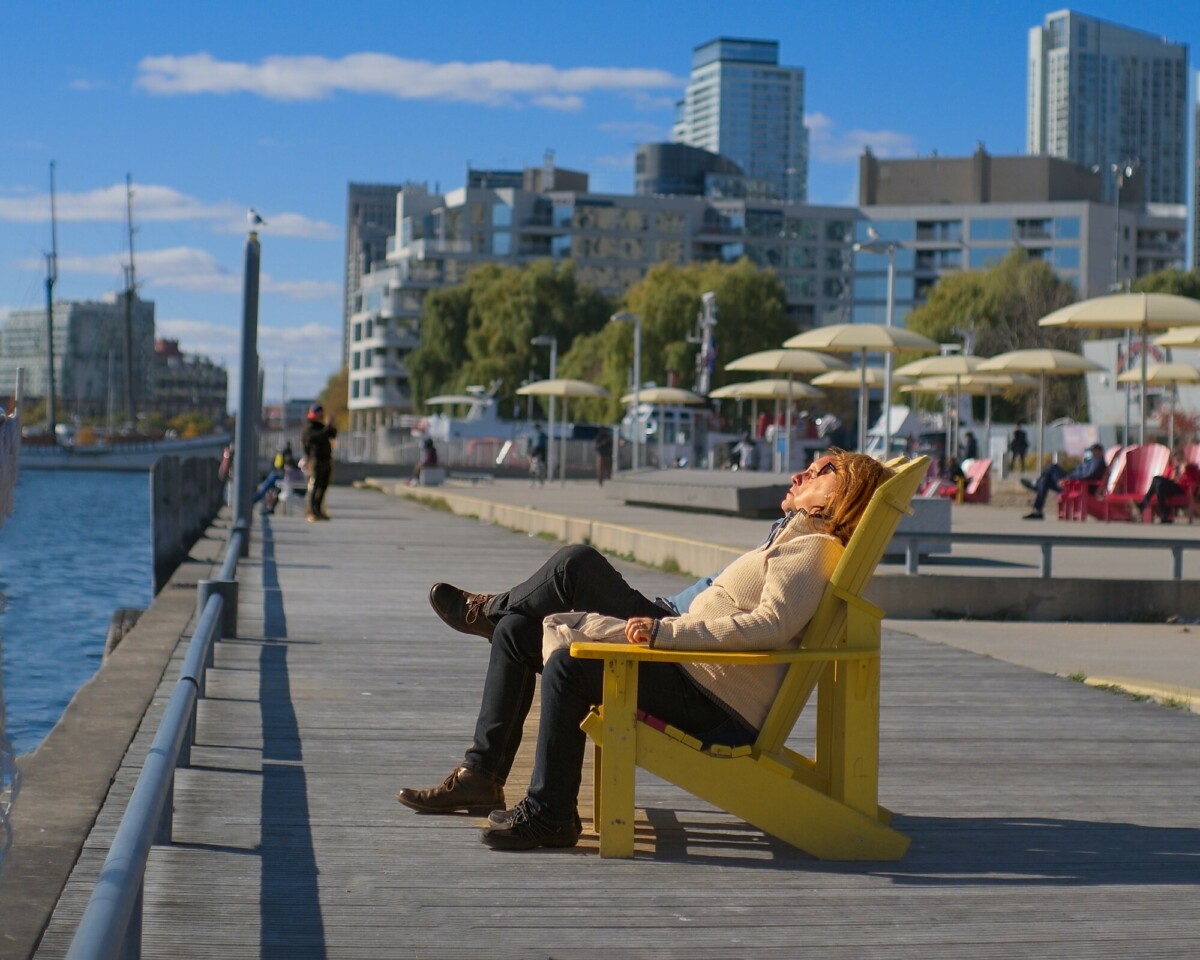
(575, 578)
(322, 474)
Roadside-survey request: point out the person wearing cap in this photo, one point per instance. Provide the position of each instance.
(1091, 469)
(318, 449)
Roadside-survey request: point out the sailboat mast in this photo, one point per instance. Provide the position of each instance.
(51, 279)
(130, 290)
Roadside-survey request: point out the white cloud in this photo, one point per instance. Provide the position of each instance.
(154, 203)
(195, 270)
(494, 83)
(312, 353)
(828, 144)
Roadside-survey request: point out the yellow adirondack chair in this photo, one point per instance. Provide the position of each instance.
(826, 805)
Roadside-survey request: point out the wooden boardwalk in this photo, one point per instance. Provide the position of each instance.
(1048, 819)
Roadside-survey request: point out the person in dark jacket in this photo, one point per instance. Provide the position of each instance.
(1091, 469)
(319, 451)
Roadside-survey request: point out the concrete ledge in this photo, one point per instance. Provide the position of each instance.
(1033, 599)
(65, 781)
(901, 596)
(742, 493)
(693, 557)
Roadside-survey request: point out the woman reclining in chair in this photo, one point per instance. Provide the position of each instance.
(761, 601)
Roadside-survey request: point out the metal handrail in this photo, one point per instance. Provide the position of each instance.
(912, 545)
(111, 925)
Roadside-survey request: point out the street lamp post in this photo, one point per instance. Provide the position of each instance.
(876, 245)
(1121, 171)
(626, 317)
(552, 343)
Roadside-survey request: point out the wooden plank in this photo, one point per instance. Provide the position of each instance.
(1048, 819)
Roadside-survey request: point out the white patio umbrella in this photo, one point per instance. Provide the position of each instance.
(864, 338)
(1041, 362)
(755, 390)
(976, 385)
(1165, 374)
(952, 365)
(1180, 337)
(660, 396)
(1142, 312)
(789, 363)
(566, 389)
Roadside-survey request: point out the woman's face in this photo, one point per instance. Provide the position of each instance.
(813, 488)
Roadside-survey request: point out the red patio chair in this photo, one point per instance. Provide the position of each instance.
(1142, 464)
(1189, 499)
(977, 486)
(1078, 498)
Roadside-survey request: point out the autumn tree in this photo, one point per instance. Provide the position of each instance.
(333, 396)
(998, 310)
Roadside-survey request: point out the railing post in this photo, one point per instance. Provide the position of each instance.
(227, 590)
(912, 552)
(1046, 547)
(1177, 557)
(131, 946)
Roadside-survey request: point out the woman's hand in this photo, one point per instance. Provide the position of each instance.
(639, 630)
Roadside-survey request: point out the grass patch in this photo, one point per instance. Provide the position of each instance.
(1078, 676)
(1177, 703)
(1121, 691)
(670, 565)
(433, 503)
(545, 535)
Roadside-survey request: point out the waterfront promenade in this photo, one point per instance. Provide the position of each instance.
(1048, 819)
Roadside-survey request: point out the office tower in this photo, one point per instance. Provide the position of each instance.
(1105, 96)
(742, 104)
(370, 220)
(1196, 182)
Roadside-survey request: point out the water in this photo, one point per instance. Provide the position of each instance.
(76, 548)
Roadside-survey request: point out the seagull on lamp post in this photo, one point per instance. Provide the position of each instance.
(254, 219)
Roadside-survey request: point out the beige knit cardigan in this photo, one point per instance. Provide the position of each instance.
(761, 601)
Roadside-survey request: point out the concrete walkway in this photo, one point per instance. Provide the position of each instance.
(1047, 819)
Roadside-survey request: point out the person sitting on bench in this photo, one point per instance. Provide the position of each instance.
(760, 601)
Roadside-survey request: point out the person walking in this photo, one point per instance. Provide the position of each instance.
(1018, 446)
(318, 449)
(604, 455)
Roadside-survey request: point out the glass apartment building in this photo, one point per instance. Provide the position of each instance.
(1105, 96)
(740, 103)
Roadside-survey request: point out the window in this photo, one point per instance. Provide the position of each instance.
(801, 258)
(560, 246)
(992, 229)
(355, 360)
(502, 243)
(838, 230)
(939, 230)
(501, 215)
(886, 230)
(357, 332)
(1066, 228)
(1066, 258)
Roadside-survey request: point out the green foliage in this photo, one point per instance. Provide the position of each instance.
(479, 331)
(1002, 305)
(1179, 282)
(751, 316)
(334, 397)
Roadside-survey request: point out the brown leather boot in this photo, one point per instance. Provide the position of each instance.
(463, 790)
(461, 610)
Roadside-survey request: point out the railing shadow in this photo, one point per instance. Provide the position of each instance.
(292, 925)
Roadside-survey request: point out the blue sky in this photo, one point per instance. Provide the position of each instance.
(215, 107)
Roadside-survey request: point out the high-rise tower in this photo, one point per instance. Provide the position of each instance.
(1106, 96)
(742, 104)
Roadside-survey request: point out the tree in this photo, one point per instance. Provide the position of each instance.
(333, 397)
(479, 332)
(1179, 282)
(999, 309)
(751, 316)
